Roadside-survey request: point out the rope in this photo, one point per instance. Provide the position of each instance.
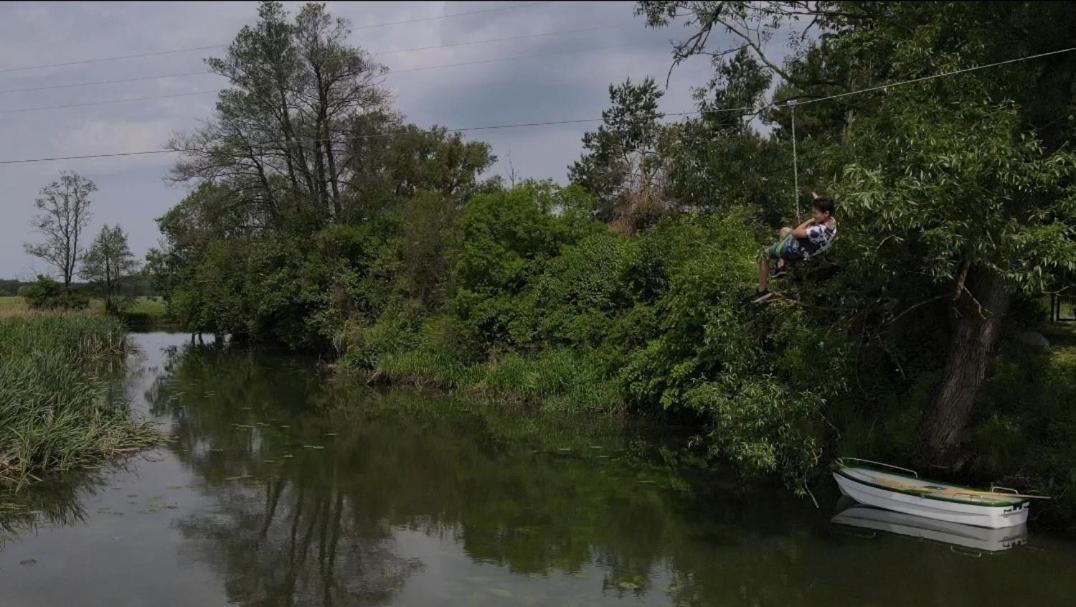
(795, 163)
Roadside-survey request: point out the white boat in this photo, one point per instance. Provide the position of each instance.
(966, 536)
(901, 490)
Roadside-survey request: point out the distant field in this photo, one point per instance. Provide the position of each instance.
(12, 306)
(152, 307)
(149, 307)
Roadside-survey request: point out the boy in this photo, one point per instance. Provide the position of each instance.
(802, 242)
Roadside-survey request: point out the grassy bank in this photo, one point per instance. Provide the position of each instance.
(56, 413)
(558, 380)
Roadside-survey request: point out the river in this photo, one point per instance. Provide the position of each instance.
(282, 487)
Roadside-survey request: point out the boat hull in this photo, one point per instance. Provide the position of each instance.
(966, 536)
(993, 517)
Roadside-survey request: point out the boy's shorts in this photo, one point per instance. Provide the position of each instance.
(788, 249)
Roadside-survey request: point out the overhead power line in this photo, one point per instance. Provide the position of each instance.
(413, 49)
(493, 9)
(420, 68)
(189, 49)
(98, 82)
(376, 54)
(41, 108)
(974, 68)
(86, 156)
(744, 110)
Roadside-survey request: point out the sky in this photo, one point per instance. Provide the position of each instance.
(562, 74)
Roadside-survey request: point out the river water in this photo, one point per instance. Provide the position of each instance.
(282, 487)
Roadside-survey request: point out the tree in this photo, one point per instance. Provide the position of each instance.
(964, 180)
(281, 128)
(719, 160)
(390, 162)
(64, 206)
(622, 163)
(107, 263)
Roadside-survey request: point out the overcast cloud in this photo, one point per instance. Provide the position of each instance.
(556, 77)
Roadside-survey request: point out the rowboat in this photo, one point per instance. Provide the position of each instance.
(901, 490)
(966, 536)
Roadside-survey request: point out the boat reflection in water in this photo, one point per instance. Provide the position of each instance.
(975, 538)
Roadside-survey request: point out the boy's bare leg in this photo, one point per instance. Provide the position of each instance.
(764, 263)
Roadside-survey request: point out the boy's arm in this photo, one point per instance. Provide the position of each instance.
(800, 231)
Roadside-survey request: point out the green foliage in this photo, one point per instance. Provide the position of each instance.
(107, 263)
(581, 290)
(629, 286)
(47, 294)
(759, 425)
(701, 330)
(623, 162)
(1026, 426)
(591, 319)
(10, 288)
(506, 238)
(1005, 203)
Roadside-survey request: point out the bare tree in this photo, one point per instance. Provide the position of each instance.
(64, 206)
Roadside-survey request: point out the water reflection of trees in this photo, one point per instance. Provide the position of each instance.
(528, 493)
(318, 526)
(286, 532)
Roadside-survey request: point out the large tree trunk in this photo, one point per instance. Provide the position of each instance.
(970, 352)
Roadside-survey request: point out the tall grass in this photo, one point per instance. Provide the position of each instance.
(56, 412)
(558, 379)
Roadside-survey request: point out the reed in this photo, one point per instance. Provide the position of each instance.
(58, 410)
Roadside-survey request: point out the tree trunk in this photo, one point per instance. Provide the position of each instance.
(970, 353)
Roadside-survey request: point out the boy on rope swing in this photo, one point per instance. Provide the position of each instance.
(806, 240)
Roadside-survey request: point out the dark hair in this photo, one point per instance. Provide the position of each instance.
(823, 204)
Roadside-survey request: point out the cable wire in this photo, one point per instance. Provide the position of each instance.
(744, 109)
(379, 53)
(212, 46)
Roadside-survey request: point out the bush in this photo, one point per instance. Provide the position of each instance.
(396, 331)
(562, 378)
(1026, 427)
(505, 240)
(47, 294)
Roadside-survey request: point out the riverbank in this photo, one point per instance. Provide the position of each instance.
(560, 380)
(1029, 395)
(56, 410)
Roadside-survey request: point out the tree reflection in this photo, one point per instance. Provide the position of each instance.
(314, 477)
(316, 481)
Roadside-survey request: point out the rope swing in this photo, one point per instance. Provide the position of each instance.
(795, 163)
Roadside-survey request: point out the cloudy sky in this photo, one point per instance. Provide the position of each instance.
(553, 71)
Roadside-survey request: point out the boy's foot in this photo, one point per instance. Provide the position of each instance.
(761, 296)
